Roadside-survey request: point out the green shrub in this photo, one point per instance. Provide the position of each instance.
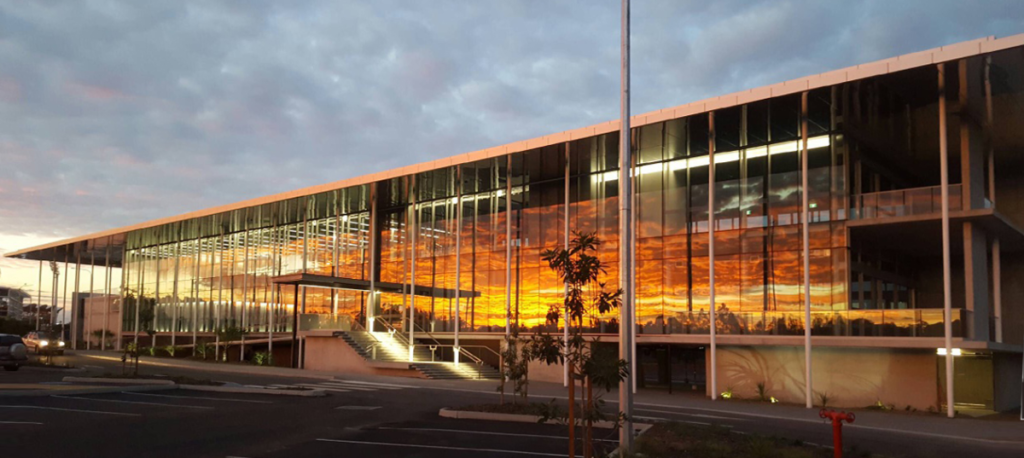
(823, 399)
(202, 349)
(262, 358)
(762, 392)
(171, 349)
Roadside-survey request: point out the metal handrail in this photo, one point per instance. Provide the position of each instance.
(471, 356)
(461, 349)
(393, 331)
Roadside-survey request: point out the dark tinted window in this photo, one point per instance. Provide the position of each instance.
(9, 340)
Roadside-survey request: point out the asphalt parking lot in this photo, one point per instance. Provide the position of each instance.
(358, 418)
(396, 417)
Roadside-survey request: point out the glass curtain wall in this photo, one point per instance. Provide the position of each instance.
(216, 271)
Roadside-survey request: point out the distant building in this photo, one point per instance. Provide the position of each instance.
(12, 303)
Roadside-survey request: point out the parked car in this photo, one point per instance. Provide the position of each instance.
(13, 352)
(42, 342)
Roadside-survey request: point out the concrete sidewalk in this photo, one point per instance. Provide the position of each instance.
(998, 431)
(210, 366)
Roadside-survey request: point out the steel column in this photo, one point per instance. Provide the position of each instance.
(946, 281)
(508, 246)
(412, 225)
(805, 222)
(711, 255)
(458, 257)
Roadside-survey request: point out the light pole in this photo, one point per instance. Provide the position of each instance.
(626, 352)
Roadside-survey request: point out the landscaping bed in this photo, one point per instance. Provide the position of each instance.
(680, 440)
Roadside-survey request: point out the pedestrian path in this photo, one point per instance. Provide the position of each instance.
(345, 386)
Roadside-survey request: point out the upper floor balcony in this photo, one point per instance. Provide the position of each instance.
(906, 202)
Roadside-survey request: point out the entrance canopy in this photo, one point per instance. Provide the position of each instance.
(327, 281)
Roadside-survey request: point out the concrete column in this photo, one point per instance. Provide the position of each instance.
(997, 289)
(972, 154)
(976, 282)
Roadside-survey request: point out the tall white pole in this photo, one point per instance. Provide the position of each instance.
(413, 227)
(174, 299)
(106, 297)
(92, 286)
(458, 256)
(567, 320)
(711, 256)
(39, 293)
(371, 298)
(805, 219)
(141, 260)
(508, 246)
(625, 252)
(946, 288)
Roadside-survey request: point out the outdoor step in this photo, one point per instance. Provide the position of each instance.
(363, 342)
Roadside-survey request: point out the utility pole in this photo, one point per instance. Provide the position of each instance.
(625, 246)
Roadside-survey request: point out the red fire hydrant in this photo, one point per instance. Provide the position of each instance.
(837, 427)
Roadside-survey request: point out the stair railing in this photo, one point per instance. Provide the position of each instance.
(462, 351)
(401, 339)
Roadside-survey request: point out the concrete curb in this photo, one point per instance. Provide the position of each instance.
(118, 381)
(519, 418)
(246, 390)
(96, 390)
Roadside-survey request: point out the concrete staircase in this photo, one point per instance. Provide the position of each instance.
(382, 347)
(379, 346)
(448, 370)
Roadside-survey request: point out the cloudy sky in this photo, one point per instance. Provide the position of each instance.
(113, 113)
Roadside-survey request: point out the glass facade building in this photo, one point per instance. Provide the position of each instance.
(455, 245)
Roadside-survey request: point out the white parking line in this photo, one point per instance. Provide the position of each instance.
(324, 388)
(20, 423)
(73, 410)
(133, 402)
(252, 401)
(463, 431)
(361, 385)
(376, 383)
(345, 386)
(438, 447)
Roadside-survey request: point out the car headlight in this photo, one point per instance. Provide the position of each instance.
(43, 343)
(61, 344)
